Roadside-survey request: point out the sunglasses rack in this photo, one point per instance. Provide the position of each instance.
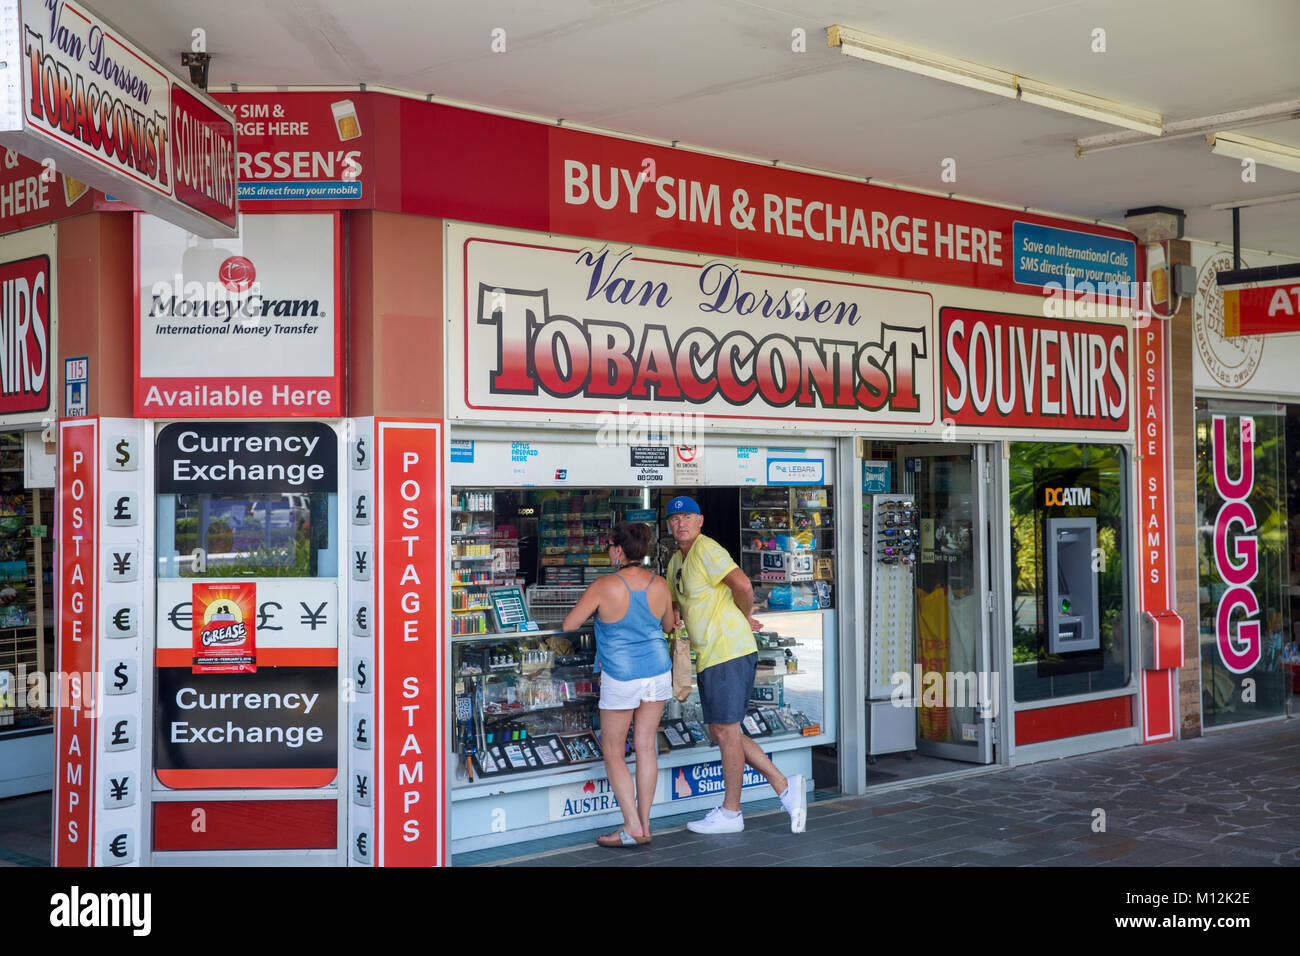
(892, 547)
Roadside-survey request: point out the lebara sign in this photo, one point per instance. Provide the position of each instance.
(112, 116)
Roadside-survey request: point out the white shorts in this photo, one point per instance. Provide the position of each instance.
(630, 694)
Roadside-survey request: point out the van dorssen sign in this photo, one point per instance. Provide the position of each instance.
(83, 95)
(581, 329)
(239, 327)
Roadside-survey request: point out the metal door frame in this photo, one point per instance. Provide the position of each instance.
(981, 469)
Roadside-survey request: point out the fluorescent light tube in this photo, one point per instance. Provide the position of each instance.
(866, 46)
(1260, 150)
(1093, 107)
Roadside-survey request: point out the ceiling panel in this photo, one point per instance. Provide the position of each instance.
(721, 73)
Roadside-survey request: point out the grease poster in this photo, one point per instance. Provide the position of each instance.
(224, 618)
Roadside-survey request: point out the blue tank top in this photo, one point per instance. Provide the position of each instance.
(633, 647)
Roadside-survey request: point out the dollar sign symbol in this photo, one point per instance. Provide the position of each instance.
(361, 451)
(122, 456)
(361, 673)
(120, 673)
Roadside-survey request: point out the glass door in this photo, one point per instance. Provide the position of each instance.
(954, 688)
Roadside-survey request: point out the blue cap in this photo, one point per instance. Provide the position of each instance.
(682, 505)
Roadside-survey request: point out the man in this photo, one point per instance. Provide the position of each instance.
(716, 601)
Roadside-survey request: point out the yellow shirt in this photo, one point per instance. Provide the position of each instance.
(719, 631)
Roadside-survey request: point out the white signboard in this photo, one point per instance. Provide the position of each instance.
(291, 612)
(235, 327)
(556, 464)
(85, 97)
(565, 330)
(1246, 364)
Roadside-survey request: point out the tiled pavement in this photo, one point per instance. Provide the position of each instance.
(1228, 799)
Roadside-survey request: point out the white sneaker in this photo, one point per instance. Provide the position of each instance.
(718, 822)
(795, 802)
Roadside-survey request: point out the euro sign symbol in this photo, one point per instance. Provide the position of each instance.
(121, 510)
(119, 733)
(118, 846)
(361, 618)
(180, 616)
(122, 456)
(122, 619)
(361, 843)
(119, 673)
(361, 451)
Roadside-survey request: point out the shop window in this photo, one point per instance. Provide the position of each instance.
(1248, 651)
(1069, 566)
(266, 535)
(528, 700)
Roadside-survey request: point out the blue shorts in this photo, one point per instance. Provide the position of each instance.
(725, 689)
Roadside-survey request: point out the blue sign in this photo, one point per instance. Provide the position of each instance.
(317, 189)
(703, 779)
(462, 450)
(1044, 254)
(640, 514)
(796, 471)
(877, 477)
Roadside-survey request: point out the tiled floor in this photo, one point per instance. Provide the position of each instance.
(1228, 799)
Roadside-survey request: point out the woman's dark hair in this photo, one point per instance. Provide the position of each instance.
(633, 537)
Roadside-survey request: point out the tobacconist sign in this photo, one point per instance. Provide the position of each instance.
(240, 327)
(579, 330)
(114, 117)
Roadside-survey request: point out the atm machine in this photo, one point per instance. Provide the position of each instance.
(1072, 616)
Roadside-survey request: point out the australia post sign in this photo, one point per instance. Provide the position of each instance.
(112, 116)
(582, 329)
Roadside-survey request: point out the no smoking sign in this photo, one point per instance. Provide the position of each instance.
(688, 464)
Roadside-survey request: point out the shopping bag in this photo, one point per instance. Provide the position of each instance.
(681, 651)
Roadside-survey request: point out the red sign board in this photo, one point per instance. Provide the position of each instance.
(77, 541)
(411, 752)
(224, 620)
(26, 340)
(1015, 371)
(203, 157)
(304, 150)
(1262, 309)
(32, 194)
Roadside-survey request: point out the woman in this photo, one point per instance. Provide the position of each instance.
(633, 610)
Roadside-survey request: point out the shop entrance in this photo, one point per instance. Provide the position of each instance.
(931, 683)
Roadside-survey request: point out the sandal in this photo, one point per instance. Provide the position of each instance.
(620, 839)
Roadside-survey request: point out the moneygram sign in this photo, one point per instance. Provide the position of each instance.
(112, 116)
(240, 327)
